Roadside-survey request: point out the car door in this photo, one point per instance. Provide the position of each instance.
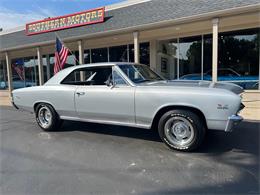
(101, 99)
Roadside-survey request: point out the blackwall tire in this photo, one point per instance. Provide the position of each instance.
(47, 118)
(181, 130)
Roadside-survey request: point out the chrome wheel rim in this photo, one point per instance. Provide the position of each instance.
(179, 131)
(45, 117)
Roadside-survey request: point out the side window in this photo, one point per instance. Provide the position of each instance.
(72, 78)
(118, 79)
(89, 76)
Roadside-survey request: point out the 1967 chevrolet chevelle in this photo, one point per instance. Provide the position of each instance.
(133, 95)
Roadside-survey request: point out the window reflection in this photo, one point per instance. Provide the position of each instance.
(118, 54)
(207, 57)
(25, 72)
(168, 58)
(99, 55)
(131, 51)
(52, 62)
(190, 56)
(46, 66)
(3, 75)
(145, 53)
(239, 58)
(31, 71)
(72, 59)
(86, 56)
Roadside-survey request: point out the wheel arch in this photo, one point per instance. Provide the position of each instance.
(41, 102)
(167, 108)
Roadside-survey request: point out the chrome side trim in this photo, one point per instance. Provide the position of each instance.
(105, 122)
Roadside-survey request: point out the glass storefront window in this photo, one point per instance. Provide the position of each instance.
(207, 57)
(31, 71)
(118, 54)
(238, 60)
(86, 56)
(131, 51)
(3, 75)
(72, 60)
(145, 53)
(52, 62)
(18, 73)
(190, 56)
(182, 58)
(46, 67)
(99, 55)
(25, 72)
(168, 58)
(122, 53)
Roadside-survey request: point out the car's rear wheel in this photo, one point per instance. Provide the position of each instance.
(47, 118)
(181, 130)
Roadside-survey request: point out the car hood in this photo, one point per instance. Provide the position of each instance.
(198, 84)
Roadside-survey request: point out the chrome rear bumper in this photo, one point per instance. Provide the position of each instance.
(233, 121)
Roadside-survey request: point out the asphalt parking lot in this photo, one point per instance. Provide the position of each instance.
(84, 158)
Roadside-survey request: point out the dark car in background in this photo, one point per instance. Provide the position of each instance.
(227, 75)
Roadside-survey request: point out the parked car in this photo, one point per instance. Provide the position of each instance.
(130, 94)
(227, 75)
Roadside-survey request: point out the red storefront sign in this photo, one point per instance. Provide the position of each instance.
(68, 21)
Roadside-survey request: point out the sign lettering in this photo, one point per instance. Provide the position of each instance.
(68, 21)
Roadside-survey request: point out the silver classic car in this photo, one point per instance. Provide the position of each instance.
(131, 94)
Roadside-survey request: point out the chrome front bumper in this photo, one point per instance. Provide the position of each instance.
(233, 121)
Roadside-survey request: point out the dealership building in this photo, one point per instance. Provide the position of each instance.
(214, 40)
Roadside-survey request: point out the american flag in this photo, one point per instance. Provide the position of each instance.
(61, 55)
(19, 70)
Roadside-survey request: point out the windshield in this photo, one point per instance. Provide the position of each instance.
(139, 73)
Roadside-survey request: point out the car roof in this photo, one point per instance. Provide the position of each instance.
(99, 64)
(56, 79)
(105, 64)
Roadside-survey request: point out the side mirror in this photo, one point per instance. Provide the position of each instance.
(109, 83)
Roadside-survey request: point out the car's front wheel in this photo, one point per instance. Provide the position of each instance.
(181, 130)
(47, 118)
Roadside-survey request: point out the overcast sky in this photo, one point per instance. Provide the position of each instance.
(15, 13)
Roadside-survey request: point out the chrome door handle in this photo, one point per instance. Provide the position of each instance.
(80, 93)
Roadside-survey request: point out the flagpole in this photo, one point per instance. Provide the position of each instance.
(67, 47)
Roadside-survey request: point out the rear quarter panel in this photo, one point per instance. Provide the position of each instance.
(61, 97)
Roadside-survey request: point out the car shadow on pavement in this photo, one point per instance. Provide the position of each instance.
(114, 130)
(244, 138)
